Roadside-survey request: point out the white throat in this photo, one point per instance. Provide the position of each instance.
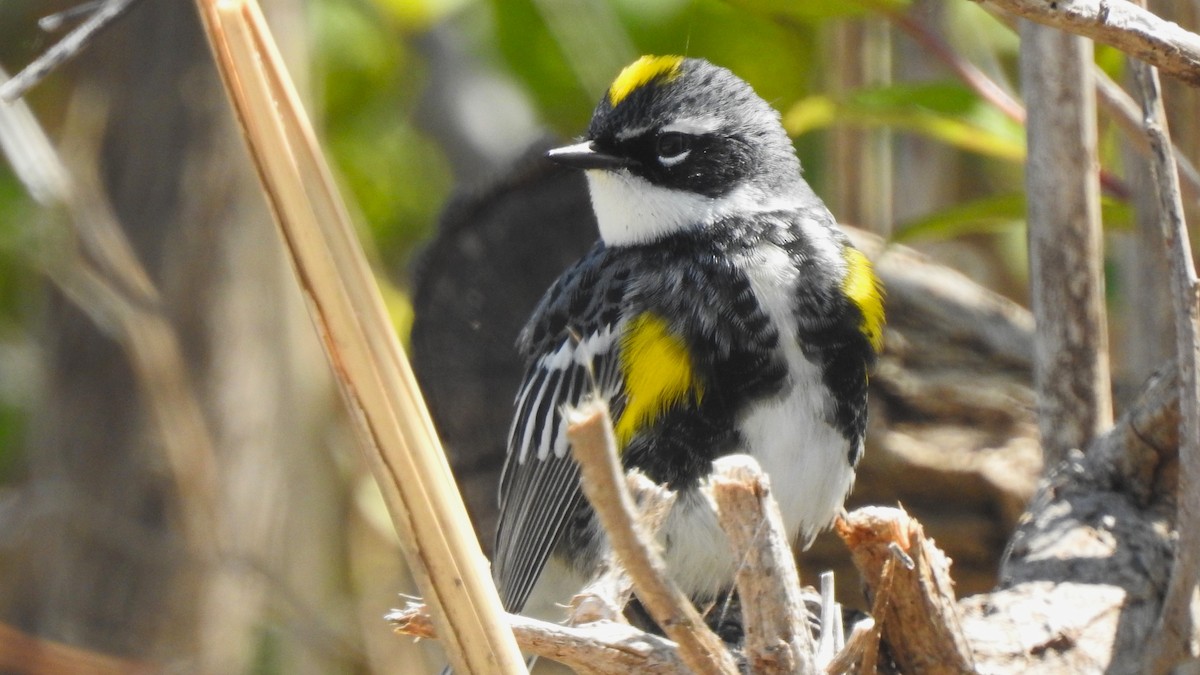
(631, 210)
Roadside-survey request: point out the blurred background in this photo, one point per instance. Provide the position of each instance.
(150, 315)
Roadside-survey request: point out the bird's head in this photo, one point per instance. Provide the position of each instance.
(679, 143)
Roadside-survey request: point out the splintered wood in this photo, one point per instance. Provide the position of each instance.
(919, 615)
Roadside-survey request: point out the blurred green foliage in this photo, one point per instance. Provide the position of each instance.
(993, 214)
(14, 280)
(536, 60)
(719, 31)
(13, 420)
(948, 112)
(18, 288)
(369, 81)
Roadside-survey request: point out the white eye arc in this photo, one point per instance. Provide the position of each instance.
(672, 161)
(672, 147)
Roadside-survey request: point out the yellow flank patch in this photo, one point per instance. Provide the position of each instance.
(641, 72)
(658, 374)
(863, 288)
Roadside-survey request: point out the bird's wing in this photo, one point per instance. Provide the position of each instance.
(573, 354)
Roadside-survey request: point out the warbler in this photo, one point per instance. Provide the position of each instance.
(722, 311)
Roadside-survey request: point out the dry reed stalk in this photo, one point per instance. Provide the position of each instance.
(387, 412)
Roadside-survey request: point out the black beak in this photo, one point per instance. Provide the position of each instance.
(585, 156)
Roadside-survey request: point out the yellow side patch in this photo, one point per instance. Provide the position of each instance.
(658, 374)
(863, 288)
(641, 72)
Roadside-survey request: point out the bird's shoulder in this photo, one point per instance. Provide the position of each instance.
(836, 297)
(584, 299)
(610, 285)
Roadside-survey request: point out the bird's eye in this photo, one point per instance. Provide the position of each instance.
(672, 147)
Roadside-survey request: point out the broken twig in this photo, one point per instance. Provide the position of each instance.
(591, 435)
(777, 639)
(920, 620)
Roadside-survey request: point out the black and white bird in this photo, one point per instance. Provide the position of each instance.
(722, 311)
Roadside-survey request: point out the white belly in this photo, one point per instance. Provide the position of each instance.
(695, 549)
(804, 455)
(805, 458)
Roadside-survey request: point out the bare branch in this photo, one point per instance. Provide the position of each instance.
(1071, 370)
(1128, 116)
(833, 638)
(883, 597)
(602, 648)
(1178, 634)
(1099, 521)
(387, 412)
(859, 160)
(591, 435)
(773, 613)
(65, 49)
(1120, 24)
(1120, 105)
(27, 148)
(604, 598)
(52, 23)
(1122, 108)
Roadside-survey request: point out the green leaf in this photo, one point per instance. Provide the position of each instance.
(1116, 214)
(946, 112)
(982, 216)
(994, 214)
(810, 114)
(1111, 60)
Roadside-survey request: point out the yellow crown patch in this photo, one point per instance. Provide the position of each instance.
(642, 72)
(863, 289)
